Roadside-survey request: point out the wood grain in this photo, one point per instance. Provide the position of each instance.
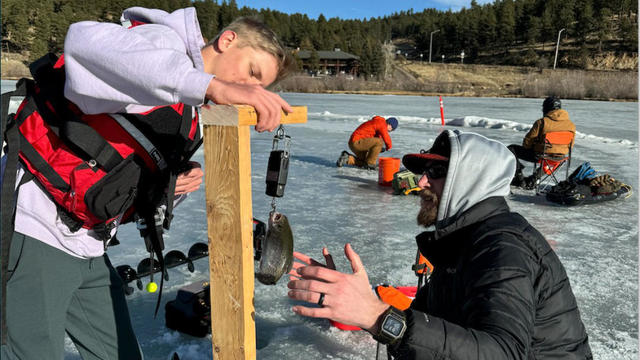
(229, 221)
(234, 115)
(227, 157)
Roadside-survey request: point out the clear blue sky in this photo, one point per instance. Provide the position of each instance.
(354, 9)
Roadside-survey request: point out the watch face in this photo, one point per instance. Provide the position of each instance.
(392, 326)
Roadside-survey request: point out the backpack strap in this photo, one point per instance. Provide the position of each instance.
(139, 137)
(82, 136)
(57, 111)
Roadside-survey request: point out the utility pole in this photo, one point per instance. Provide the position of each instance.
(430, 41)
(555, 59)
(462, 57)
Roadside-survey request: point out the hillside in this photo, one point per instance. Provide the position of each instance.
(419, 78)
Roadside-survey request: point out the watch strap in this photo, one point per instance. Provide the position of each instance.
(383, 336)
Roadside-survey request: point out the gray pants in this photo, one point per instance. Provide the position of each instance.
(50, 292)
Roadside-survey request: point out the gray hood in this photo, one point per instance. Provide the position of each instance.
(182, 21)
(479, 168)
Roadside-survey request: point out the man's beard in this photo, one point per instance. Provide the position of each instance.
(428, 208)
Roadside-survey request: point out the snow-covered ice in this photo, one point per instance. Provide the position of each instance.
(328, 206)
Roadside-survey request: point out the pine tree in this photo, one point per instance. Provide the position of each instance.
(533, 30)
(377, 60)
(42, 33)
(604, 26)
(62, 17)
(207, 11)
(629, 32)
(15, 25)
(227, 13)
(584, 20)
(547, 29)
(314, 60)
(297, 60)
(366, 67)
(506, 23)
(490, 23)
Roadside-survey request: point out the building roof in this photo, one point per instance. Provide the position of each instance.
(329, 55)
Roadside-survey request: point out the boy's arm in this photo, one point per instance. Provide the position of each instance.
(109, 67)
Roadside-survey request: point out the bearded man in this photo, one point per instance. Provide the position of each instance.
(498, 291)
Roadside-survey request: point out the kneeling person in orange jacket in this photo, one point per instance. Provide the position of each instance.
(367, 141)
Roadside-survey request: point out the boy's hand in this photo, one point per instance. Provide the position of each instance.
(268, 105)
(190, 180)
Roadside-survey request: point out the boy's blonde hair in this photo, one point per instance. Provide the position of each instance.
(254, 33)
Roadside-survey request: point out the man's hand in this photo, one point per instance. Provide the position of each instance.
(268, 105)
(348, 298)
(190, 180)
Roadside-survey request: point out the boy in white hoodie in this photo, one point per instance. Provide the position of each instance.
(62, 281)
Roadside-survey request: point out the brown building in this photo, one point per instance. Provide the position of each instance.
(331, 62)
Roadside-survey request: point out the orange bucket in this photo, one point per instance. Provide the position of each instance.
(387, 167)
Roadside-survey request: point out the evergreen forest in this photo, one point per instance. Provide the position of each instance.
(486, 33)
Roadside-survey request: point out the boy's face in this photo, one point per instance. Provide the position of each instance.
(244, 65)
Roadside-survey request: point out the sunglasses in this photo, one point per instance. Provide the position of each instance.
(436, 170)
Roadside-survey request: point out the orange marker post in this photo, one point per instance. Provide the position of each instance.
(441, 110)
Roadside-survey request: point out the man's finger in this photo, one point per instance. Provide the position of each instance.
(354, 259)
(328, 258)
(309, 285)
(308, 296)
(320, 273)
(321, 312)
(296, 266)
(302, 257)
(307, 260)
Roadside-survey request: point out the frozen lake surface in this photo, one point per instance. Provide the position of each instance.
(328, 206)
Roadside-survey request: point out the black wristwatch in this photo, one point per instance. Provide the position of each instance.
(392, 326)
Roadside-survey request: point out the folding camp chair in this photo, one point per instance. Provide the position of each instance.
(549, 164)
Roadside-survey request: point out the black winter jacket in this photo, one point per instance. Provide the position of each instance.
(498, 291)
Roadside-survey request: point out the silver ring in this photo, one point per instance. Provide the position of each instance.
(321, 300)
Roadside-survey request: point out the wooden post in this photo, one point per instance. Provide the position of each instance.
(227, 157)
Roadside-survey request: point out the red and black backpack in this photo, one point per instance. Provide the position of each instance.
(92, 165)
(98, 169)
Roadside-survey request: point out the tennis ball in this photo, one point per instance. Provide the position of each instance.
(152, 287)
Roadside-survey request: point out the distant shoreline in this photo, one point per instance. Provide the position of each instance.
(423, 93)
(417, 93)
(420, 79)
(475, 80)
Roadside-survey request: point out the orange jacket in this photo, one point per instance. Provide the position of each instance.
(376, 127)
(556, 120)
